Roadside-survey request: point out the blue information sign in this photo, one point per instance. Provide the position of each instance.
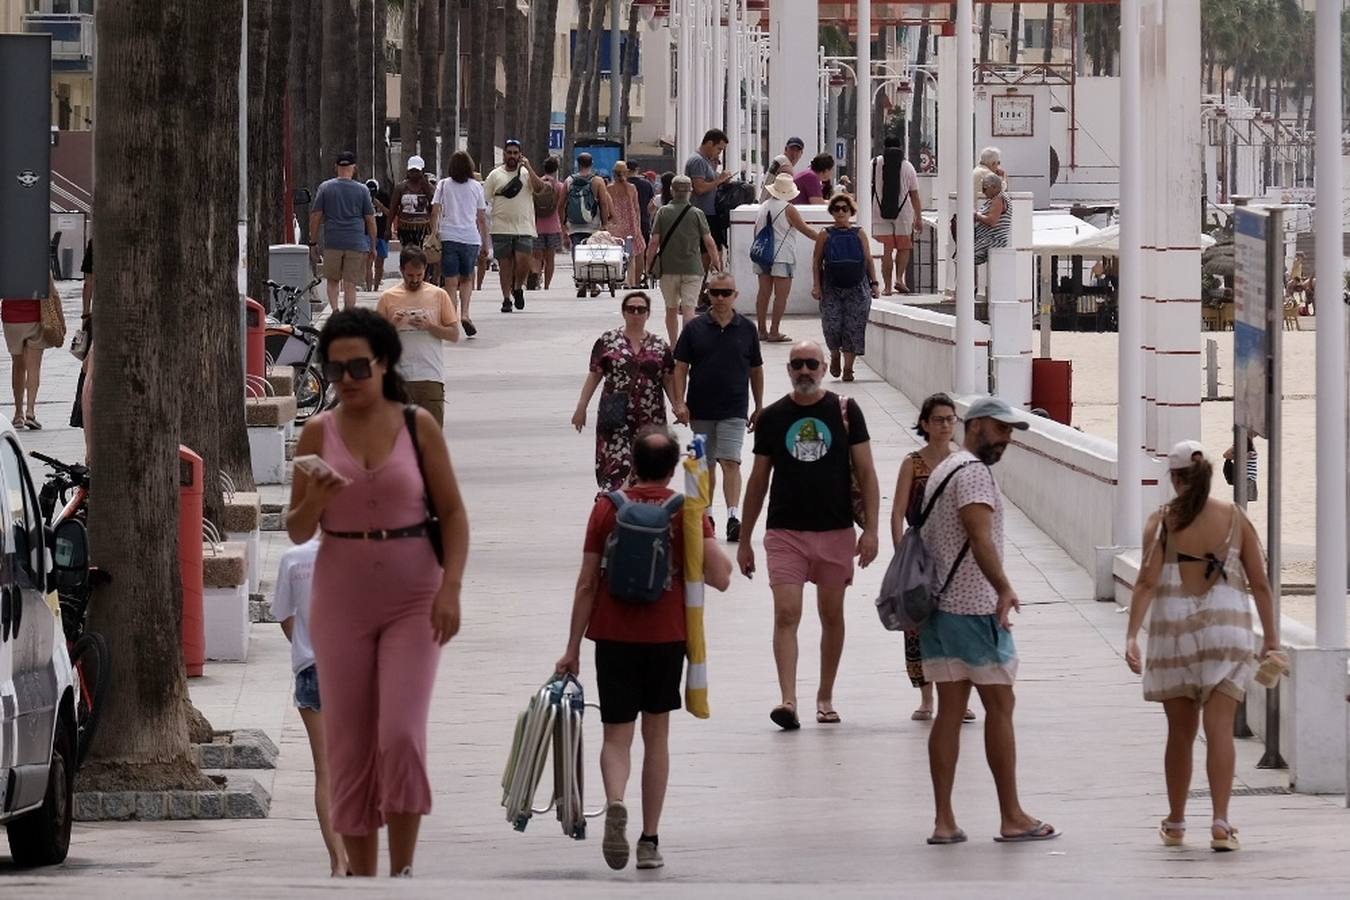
(555, 137)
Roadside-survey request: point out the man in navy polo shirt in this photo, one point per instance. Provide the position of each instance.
(717, 357)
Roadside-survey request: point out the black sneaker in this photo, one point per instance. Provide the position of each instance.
(520, 298)
(469, 330)
(733, 530)
(506, 306)
(532, 282)
(581, 293)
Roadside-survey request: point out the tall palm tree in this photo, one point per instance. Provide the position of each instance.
(986, 30)
(333, 111)
(1015, 33)
(1049, 32)
(580, 66)
(318, 168)
(429, 80)
(916, 116)
(449, 105)
(630, 64)
(542, 57)
(381, 98)
(410, 80)
(516, 50)
(590, 109)
(484, 76)
(367, 69)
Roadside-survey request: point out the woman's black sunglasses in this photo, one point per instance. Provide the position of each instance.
(636, 310)
(798, 364)
(358, 368)
(838, 209)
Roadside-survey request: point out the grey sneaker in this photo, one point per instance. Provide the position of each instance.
(615, 844)
(649, 855)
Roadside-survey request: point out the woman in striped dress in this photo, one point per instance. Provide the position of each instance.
(993, 223)
(1201, 557)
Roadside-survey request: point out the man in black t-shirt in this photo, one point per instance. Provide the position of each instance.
(814, 444)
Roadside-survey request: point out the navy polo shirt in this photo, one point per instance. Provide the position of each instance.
(719, 359)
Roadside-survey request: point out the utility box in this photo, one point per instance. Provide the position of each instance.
(289, 264)
(1052, 388)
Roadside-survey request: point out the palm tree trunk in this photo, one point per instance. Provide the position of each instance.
(986, 30)
(479, 139)
(295, 96)
(1049, 32)
(542, 57)
(591, 106)
(318, 169)
(162, 105)
(580, 63)
(916, 122)
(336, 59)
(515, 39)
(381, 99)
(630, 57)
(449, 101)
(429, 37)
(1014, 33)
(366, 69)
(410, 75)
(259, 35)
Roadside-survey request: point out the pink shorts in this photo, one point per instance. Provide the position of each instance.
(823, 558)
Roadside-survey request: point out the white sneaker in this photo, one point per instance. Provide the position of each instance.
(649, 855)
(406, 873)
(615, 843)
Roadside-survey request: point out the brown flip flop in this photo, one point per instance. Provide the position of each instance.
(785, 717)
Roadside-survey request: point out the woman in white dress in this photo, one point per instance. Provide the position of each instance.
(775, 280)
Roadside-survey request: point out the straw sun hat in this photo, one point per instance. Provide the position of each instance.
(783, 187)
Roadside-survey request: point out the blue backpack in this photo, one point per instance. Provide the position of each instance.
(638, 555)
(582, 205)
(844, 263)
(762, 251)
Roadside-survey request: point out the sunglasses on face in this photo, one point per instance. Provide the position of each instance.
(840, 209)
(635, 310)
(798, 364)
(359, 369)
(721, 292)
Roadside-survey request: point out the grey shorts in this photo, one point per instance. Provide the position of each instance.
(503, 245)
(307, 688)
(548, 242)
(726, 437)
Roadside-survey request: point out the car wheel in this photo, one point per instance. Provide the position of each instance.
(42, 837)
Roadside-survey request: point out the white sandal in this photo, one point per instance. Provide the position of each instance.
(1168, 831)
(1227, 843)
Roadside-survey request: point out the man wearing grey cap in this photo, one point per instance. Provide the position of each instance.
(968, 639)
(680, 237)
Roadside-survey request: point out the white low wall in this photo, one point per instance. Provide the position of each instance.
(742, 235)
(914, 348)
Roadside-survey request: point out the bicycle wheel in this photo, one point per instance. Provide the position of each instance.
(309, 392)
(90, 659)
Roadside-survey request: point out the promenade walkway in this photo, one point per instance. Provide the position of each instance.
(751, 811)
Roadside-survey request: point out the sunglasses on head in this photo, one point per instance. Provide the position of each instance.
(635, 310)
(359, 369)
(721, 292)
(809, 363)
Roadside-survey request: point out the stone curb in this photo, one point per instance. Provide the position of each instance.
(246, 748)
(240, 797)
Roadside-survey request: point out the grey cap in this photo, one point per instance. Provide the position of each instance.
(681, 183)
(998, 410)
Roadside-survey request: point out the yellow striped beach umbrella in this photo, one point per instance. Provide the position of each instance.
(697, 497)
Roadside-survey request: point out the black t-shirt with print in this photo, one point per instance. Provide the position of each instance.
(812, 468)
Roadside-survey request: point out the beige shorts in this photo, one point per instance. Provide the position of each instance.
(430, 395)
(19, 336)
(346, 265)
(681, 290)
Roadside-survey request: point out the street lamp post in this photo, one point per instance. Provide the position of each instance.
(965, 200)
(862, 141)
(1130, 373)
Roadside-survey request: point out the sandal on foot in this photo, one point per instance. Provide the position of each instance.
(834, 364)
(1227, 843)
(32, 423)
(848, 374)
(921, 715)
(17, 422)
(827, 717)
(969, 716)
(778, 338)
(785, 717)
(1041, 831)
(941, 840)
(1173, 834)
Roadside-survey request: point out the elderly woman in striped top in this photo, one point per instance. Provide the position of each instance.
(1201, 558)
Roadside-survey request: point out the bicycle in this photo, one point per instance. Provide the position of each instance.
(68, 486)
(297, 346)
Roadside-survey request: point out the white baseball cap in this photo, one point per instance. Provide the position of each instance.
(416, 162)
(1183, 455)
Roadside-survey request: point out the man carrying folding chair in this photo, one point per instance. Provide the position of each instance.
(638, 624)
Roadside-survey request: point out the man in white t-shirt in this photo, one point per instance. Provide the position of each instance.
(290, 607)
(968, 640)
(425, 318)
(510, 190)
(897, 194)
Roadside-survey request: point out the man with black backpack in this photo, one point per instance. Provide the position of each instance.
(630, 601)
(967, 640)
(586, 208)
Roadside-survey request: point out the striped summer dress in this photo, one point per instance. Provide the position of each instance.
(1199, 644)
(993, 237)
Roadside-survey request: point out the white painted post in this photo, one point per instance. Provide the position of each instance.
(1128, 523)
(1331, 353)
(965, 200)
(862, 143)
(717, 92)
(733, 87)
(684, 91)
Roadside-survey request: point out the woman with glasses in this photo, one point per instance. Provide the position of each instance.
(936, 425)
(845, 284)
(376, 476)
(637, 369)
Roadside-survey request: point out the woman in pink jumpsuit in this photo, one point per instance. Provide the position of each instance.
(382, 604)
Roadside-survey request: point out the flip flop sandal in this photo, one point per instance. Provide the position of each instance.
(942, 840)
(921, 715)
(1168, 832)
(969, 716)
(1228, 843)
(848, 374)
(778, 339)
(827, 717)
(1041, 831)
(785, 717)
(17, 422)
(32, 423)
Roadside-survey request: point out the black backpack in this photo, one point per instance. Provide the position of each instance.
(891, 198)
(733, 194)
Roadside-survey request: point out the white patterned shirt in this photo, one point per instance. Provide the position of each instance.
(970, 593)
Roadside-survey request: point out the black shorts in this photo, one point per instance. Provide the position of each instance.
(634, 678)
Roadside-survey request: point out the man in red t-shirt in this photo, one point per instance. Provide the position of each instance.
(639, 650)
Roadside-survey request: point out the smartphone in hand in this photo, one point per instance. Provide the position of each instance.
(315, 467)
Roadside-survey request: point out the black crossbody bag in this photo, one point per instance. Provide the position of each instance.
(433, 520)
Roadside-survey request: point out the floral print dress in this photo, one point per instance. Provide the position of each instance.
(641, 375)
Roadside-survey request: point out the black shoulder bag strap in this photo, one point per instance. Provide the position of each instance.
(665, 238)
(433, 520)
(923, 519)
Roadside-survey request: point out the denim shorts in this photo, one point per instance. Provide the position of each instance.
(307, 688)
(458, 260)
(381, 248)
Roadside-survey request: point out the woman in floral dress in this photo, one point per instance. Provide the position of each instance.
(637, 369)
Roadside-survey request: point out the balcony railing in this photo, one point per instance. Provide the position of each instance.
(72, 36)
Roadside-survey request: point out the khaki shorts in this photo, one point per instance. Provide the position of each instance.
(430, 395)
(348, 266)
(19, 336)
(681, 290)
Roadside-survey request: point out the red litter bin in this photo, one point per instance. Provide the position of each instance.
(255, 320)
(1052, 388)
(190, 473)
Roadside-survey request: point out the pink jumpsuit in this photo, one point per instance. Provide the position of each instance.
(371, 629)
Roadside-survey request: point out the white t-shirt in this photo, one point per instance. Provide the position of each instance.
(510, 215)
(423, 353)
(459, 204)
(909, 181)
(295, 575)
(970, 593)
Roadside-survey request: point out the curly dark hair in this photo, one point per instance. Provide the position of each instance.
(926, 412)
(379, 333)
